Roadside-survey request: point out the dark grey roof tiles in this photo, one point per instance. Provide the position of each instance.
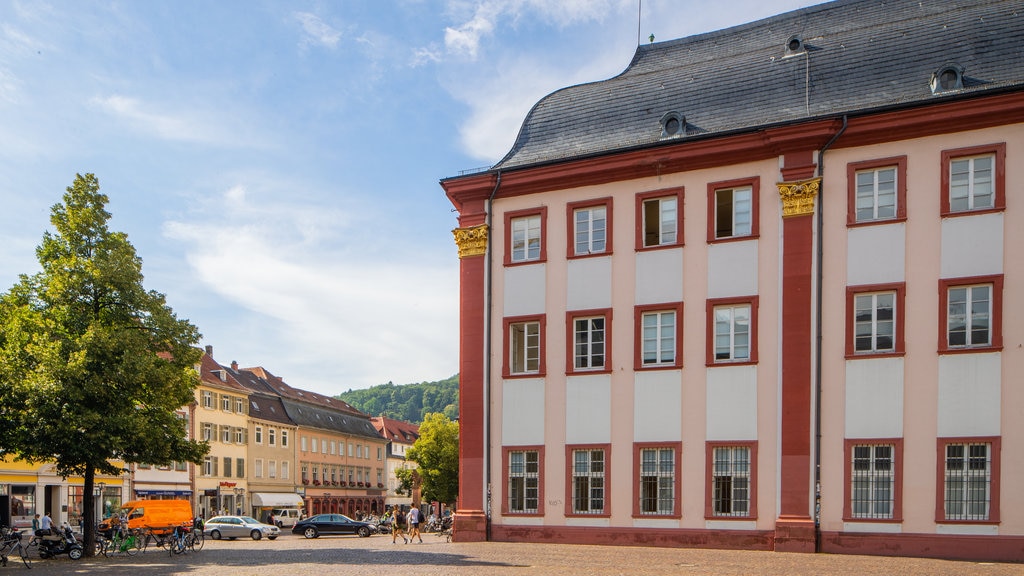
(311, 415)
(861, 55)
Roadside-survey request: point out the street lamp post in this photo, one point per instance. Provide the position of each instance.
(98, 493)
(238, 499)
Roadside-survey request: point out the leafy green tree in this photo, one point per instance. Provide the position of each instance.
(436, 452)
(408, 402)
(92, 366)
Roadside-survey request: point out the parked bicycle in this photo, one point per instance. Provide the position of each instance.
(184, 539)
(125, 542)
(11, 546)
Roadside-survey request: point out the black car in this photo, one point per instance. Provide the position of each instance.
(314, 526)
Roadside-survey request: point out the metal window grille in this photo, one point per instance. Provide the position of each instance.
(589, 342)
(970, 313)
(731, 481)
(874, 322)
(588, 482)
(524, 338)
(732, 333)
(591, 229)
(968, 481)
(523, 481)
(876, 194)
(872, 482)
(659, 337)
(526, 239)
(971, 184)
(657, 480)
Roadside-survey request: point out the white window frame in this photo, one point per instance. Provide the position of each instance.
(970, 316)
(657, 481)
(740, 207)
(207, 399)
(258, 435)
(732, 481)
(258, 468)
(665, 227)
(870, 325)
(590, 230)
(876, 194)
(964, 191)
(729, 334)
(271, 437)
(590, 351)
(526, 238)
(589, 487)
(658, 339)
(284, 470)
(966, 475)
(523, 481)
(225, 403)
(524, 347)
(284, 438)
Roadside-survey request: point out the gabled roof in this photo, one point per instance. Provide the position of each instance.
(396, 430)
(278, 386)
(861, 56)
(213, 374)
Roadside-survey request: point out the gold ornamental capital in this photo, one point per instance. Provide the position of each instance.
(471, 241)
(798, 197)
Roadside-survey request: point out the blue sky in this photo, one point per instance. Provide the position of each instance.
(276, 164)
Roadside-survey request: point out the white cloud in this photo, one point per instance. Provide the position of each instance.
(328, 303)
(317, 31)
(194, 126)
(465, 40)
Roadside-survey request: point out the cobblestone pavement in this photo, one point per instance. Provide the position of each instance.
(292, 555)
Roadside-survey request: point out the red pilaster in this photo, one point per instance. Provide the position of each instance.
(794, 528)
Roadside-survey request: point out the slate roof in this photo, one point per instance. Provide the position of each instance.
(269, 408)
(313, 416)
(862, 55)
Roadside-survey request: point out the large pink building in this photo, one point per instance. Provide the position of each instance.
(757, 292)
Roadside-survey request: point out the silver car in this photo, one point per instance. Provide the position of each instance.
(239, 527)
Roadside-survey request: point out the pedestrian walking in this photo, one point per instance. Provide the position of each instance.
(414, 524)
(397, 528)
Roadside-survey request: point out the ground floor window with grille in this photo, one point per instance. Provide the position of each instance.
(873, 481)
(657, 481)
(731, 481)
(523, 481)
(588, 481)
(968, 481)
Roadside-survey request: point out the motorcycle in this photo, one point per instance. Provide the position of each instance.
(60, 541)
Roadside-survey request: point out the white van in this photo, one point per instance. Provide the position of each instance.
(286, 517)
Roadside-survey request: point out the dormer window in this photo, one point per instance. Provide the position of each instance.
(795, 45)
(673, 124)
(948, 78)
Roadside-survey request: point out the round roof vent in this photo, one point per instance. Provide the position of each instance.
(795, 45)
(673, 124)
(947, 78)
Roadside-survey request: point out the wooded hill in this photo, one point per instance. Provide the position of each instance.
(408, 402)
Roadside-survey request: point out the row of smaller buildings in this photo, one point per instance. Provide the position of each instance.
(271, 446)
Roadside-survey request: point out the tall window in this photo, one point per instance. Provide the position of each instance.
(239, 405)
(225, 434)
(240, 467)
(208, 466)
(732, 333)
(660, 221)
(733, 209)
(588, 481)
(239, 435)
(732, 483)
(526, 238)
(874, 322)
(284, 438)
(207, 431)
(258, 468)
(227, 467)
(207, 399)
(525, 335)
(284, 469)
(523, 481)
(590, 227)
(525, 232)
(877, 190)
(225, 403)
(872, 481)
(968, 481)
(258, 435)
(590, 344)
(969, 318)
(272, 469)
(973, 179)
(658, 338)
(656, 477)
(272, 436)
(302, 442)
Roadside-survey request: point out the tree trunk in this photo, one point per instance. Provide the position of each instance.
(89, 519)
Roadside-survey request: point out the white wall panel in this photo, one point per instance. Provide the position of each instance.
(524, 289)
(972, 245)
(874, 398)
(522, 412)
(590, 283)
(657, 406)
(732, 269)
(659, 276)
(732, 403)
(588, 409)
(969, 394)
(876, 254)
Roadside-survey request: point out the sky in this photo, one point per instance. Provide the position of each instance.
(276, 164)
